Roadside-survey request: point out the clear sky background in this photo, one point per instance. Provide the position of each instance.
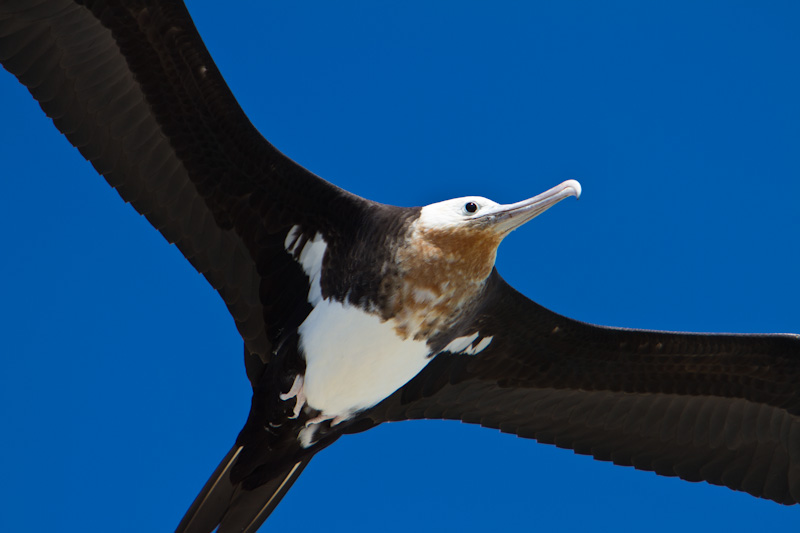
(121, 375)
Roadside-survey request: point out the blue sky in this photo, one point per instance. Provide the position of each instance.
(121, 380)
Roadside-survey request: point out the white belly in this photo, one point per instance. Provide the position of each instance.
(353, 360)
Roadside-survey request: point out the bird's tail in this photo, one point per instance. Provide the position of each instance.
(227, 505)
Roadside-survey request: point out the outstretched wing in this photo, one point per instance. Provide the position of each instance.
(132, 86)
(718, 408)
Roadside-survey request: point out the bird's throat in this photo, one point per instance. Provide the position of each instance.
(440, 271)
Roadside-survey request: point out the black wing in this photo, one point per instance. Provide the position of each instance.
(132, 86)
(718, 408)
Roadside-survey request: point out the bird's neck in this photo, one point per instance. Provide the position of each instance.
(440, 272)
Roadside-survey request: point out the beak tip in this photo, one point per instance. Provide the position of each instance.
(575, 186)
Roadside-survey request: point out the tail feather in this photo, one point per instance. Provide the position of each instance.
(210, 505)
(234, 509)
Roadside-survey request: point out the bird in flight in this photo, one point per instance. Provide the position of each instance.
(355, 313)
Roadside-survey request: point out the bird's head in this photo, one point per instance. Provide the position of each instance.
(450, 252)
(476, 215)
(465, 232)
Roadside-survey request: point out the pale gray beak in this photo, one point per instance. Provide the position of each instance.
(505, 218)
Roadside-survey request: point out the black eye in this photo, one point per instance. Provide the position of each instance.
(470, 207)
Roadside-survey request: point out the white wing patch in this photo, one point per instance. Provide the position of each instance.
(460, 344)
(292, 240)
(310, 259)
(481, 346)
(467, 344)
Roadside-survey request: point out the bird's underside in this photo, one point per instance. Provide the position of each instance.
(355, 313)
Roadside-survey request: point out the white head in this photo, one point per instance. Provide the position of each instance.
(452, 213)
(476, 212)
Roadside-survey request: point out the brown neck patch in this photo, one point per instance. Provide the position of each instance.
(440, 272)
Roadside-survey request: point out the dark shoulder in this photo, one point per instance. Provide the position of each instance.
(361, 259)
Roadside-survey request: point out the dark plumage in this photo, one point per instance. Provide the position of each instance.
(233, 230)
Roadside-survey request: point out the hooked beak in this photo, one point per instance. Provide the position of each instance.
(505, 218)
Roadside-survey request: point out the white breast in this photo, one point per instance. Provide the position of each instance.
(353, 359)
